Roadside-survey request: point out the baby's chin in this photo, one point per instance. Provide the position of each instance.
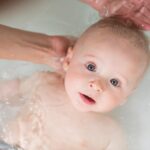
(87, 109)
(80, 108)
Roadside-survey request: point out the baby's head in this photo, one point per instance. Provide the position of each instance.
(105, 65)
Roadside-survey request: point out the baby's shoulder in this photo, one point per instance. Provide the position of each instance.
(111, 130)
(107, 132)
(43, 76)
(40, 78)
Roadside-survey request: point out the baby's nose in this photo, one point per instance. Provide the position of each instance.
(97, 85)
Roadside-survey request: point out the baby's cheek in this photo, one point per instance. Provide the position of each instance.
(73, 77)
(115, 98)
(72, 82)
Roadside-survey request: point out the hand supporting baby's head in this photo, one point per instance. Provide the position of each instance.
(105, 65)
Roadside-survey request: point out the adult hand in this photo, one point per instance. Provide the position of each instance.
(136, 10)
(59, 48)
(34, 47)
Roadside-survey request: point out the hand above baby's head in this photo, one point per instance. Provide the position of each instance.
(136, 10)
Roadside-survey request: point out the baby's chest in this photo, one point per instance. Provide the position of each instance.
(72, 131)
(45, 119)
(53, 131)
(62, 128)
(48, 93)
(55, 128)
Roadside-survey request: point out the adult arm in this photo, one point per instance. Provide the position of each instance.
(39, 48)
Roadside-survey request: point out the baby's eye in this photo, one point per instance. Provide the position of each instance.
(114, 82)
(91, 67)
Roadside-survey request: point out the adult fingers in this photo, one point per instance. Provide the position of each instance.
(120, 8)
(146, 14)
(96, 4)
(117, 7)
(142, 16)
(111, 8)
(139, 20)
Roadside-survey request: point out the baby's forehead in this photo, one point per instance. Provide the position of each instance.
(107, 36)
(134, 36)
(109, 45)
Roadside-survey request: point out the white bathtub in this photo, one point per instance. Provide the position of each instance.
(54, 17)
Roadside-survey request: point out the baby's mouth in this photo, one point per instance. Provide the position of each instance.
(87, 99)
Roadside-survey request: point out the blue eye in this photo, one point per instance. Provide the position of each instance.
(91, 67)
(114, 82)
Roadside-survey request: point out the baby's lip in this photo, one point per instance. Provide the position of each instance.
(87, 99)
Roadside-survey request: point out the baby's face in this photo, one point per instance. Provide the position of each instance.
(103, 72)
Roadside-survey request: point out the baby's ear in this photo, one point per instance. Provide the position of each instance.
(67, 59)
(70, 52)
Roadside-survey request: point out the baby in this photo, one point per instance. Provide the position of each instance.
(64, 110)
